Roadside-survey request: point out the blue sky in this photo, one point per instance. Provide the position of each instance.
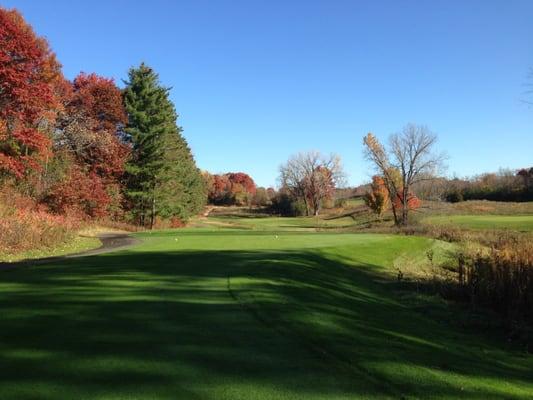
(256, 81)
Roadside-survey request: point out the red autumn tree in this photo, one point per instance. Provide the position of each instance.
(242, 188)
(242, 179)
(80, 193)
(413, 202)
(101, 99)
(231, 188)
(91, 124)
(88, 131)
(28, 74)
(219, 191)
(221, 184)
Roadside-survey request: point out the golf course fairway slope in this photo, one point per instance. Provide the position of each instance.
(239, 314)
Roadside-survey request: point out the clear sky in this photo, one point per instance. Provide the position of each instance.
(256, 81)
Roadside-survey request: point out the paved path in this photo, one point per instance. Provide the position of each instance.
(110, 242)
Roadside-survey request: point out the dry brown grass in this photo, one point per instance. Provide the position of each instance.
(475, 207)
(24, 226)
(500, 277)
(27, 226)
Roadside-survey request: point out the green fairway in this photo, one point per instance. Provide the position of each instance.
(292, 224)
(223, 313)
(514, 222)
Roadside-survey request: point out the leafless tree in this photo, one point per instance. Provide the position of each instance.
(312, 177)
(409, 159)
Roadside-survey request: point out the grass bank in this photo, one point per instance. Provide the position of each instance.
(77, 244)
(482, 222)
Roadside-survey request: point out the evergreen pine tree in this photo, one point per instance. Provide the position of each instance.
(181, 191)
(162, 176)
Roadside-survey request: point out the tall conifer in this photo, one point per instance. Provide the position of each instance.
(162, 176)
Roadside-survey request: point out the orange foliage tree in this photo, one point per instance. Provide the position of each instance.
(378, 196)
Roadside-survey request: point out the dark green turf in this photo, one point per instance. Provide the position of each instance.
(228, 314)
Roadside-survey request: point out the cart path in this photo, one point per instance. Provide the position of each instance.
(110, 242)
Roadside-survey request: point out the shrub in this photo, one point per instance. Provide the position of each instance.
(80, 193)
(285, 205)
(261, 197)
(341, 203)
(26, 226)
(454, 196)
(492, 269)
(447, 233)
(176, 222)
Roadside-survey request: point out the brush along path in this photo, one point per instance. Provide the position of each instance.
(225, 313)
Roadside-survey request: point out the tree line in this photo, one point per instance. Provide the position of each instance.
(309, 180)
(504, 185)
(87, 146)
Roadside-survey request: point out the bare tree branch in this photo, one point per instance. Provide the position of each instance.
(312, 177)
(411, 153)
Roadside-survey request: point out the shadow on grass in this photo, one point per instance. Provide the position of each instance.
(225, 325)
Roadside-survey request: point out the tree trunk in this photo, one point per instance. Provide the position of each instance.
(405, 205)
(316, 207)
(392, 198)
(394, 214)
(152, 215)
(306, 207)
(142, 213)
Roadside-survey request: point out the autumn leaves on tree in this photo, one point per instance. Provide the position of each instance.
(29, 74)
(410, 159)
(87, 141)
(232, 188)
(86, 147)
